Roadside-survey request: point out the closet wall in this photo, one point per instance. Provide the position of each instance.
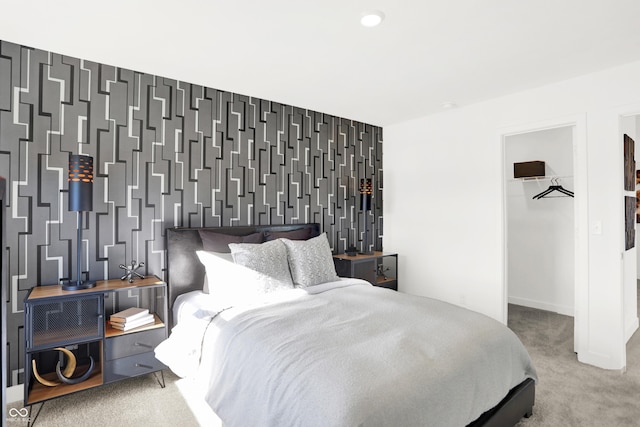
(540, 232)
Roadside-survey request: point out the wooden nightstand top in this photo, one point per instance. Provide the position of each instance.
(49, 291)
(358, 257)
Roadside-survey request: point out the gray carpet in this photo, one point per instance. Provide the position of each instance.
(136, 401)
(568, 394)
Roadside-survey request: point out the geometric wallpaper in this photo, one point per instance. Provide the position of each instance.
(166, 153)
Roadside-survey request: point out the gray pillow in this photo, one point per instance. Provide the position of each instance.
(269, 259)
(219, 242)
(301, 234)
(311, 261)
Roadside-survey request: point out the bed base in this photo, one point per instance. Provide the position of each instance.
(516, 405)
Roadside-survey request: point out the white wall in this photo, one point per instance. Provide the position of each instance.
(443, 200)
(540, 232)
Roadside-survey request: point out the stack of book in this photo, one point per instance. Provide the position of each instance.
(131, 318)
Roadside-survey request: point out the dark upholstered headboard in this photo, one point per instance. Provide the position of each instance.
(185, 272)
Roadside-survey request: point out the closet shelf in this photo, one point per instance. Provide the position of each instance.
(540, 178)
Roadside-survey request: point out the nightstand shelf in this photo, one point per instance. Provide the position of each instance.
(378, 268)
(41, 393)
(110, 331)
(78, 322)
(387, 282)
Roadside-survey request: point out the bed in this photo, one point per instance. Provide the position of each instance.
(336, 353)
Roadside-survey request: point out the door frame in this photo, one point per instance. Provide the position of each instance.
(581, 244)
(623, 113)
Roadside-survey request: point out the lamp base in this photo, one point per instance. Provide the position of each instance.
(76, 286)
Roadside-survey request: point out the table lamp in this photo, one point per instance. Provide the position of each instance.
(80, 200)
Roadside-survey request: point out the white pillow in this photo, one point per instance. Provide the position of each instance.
(311, 261)
(269, 258)
(225, 256)
(231, 284)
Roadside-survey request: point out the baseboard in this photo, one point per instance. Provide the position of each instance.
(631, 329)
(599, 360)
(542, 305)
(15, 393)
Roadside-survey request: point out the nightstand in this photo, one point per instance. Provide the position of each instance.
(59, 322)
(378, 268)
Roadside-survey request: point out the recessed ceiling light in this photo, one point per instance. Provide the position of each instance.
(371, 19)
(449, 105)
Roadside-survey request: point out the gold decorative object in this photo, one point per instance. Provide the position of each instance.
(69, 370)
(71, 363)
(40, 379)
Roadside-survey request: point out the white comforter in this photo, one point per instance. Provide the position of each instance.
(349, 355)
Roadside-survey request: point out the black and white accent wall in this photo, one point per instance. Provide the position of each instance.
(166, 153)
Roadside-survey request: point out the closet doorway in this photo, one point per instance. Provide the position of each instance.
(540, 221)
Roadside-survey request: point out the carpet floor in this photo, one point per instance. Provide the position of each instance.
(568, 393)
(132, 402)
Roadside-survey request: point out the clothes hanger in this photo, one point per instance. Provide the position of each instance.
(555, 186)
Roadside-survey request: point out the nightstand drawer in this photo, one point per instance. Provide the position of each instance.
(131, 366)
(133, 343)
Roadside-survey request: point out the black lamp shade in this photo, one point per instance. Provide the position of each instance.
(366, 189)
(80, 183)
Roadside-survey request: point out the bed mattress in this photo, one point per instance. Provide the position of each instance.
(344, 354)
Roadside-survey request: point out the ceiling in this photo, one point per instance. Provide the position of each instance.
(316, 55)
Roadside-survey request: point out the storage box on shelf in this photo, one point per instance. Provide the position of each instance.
(63, 325)
(531, 169)
(378, 268)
